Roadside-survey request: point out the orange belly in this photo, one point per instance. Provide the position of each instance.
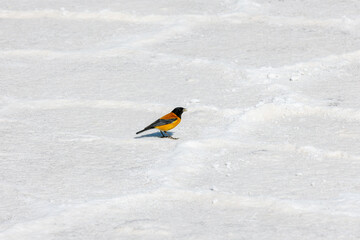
(170, 126)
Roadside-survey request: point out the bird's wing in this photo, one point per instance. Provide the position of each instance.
(157, 123)
(161, 122)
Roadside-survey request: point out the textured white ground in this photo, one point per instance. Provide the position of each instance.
(269, 149)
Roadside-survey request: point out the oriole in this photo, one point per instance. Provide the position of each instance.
(167, 122)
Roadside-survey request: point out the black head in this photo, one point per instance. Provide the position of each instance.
(178, 111)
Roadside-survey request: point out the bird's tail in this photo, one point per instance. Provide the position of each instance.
(147, 128)
(141, 131)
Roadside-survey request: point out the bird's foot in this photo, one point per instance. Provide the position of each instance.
(169, 137)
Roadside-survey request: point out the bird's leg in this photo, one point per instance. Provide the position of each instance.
(162, 134)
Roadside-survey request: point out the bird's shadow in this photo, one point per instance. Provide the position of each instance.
(155, 134)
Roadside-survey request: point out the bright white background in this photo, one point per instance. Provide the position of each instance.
(269, 148)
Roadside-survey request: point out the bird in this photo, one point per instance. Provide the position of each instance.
(167, 122)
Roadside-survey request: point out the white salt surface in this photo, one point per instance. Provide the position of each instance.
(269, 149)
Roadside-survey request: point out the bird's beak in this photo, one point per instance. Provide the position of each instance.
(184, 110)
